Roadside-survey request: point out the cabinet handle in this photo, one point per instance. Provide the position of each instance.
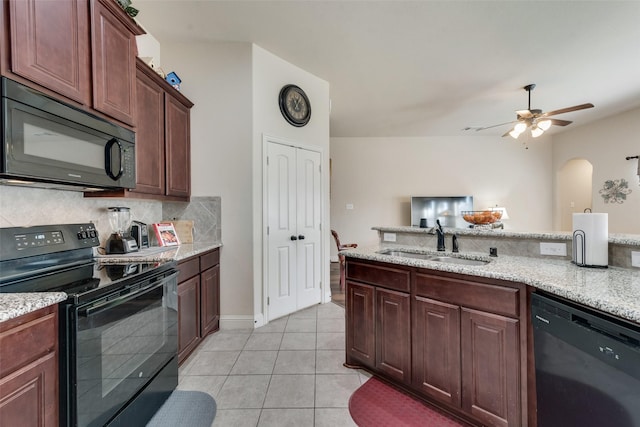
(294, 238)
(301, 237)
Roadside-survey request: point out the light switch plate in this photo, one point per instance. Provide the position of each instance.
(349, 206)
(389, 237)
(556, 249)
(635, 259)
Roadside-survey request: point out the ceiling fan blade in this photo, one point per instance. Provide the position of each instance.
(558, 122)
(507, 134)
(495, 126)
(525, 114)
(568, 109)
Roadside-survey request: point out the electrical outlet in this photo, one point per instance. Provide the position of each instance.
(389, 237)
(556, 249)
(635, 259)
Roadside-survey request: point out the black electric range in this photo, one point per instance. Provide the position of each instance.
(117, 328)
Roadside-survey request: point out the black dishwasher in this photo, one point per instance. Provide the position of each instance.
(587, 366)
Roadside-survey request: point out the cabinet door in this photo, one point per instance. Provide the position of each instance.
(393, 337)
(150, 161)
(188, 316)
(178, 148)
(29, 396)
(360, 325)
(436, 349)
(50, 45)
(114, 64)
(210, 300)
(491, 367)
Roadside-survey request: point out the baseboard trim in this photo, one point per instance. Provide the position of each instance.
(236, 322)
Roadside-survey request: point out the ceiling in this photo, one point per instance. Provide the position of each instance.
(432, 68)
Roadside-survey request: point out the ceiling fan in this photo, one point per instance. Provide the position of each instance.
(535, 119)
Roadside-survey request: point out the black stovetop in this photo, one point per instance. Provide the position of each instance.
(59, 258)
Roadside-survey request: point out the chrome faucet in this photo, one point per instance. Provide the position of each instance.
(454, 242)
(440, 233)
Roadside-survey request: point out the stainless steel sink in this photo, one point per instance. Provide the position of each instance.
(461, 261)
(436, 258)
(404, 254)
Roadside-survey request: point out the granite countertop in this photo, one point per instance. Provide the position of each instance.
(613, 290)
(14, 305)
(615, 238)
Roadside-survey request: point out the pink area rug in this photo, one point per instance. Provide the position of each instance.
(377, 404)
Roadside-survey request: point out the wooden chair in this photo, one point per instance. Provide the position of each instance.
(342, 247)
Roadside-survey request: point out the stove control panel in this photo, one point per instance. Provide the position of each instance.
(19, 242)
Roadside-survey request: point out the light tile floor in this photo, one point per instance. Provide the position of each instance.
(287, 373)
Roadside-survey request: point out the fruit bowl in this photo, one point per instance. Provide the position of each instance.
(481, 217)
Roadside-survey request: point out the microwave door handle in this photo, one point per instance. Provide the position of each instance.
(108, 162)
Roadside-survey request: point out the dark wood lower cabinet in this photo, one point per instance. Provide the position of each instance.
(393, 337)
(490, 367)
(360, 329)
(454, 340)
(188, 316)
(198, 300)
(29, 369)
(436, 350)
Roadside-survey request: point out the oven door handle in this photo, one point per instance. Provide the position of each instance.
(95, 309)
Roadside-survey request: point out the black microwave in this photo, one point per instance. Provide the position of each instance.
(47, 143)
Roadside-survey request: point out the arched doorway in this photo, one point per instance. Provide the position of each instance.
(574, 190)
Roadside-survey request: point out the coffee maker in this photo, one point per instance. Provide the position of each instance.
(120, 241)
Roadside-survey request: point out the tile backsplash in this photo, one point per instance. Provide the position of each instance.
(21, 206)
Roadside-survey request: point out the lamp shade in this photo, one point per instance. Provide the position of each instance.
(536, 131)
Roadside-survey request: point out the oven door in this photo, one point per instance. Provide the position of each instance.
(121, 343)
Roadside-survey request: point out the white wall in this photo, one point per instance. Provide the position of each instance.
(605, 144)
(217, 79)
(379, 175)
(235, 88)
(270, 74)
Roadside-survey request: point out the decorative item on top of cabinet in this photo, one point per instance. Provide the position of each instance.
(29, 369)
(163, 161)
(198, 300)
(80, 51)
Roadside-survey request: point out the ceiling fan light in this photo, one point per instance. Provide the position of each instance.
(514, 133)
(544, 124)
(536, 131)
(520, 127)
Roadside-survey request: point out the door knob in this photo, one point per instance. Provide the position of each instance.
(294, 238)
(301, 237)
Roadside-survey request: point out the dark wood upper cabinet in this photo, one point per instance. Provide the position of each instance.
(113, 42)
(178, 147)
(50, 45)
(150, 153)
(82, 50)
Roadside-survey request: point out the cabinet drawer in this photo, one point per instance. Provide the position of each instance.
(492, 298)
(188, 269)
(209, 259)
(28, 338)
(388, 277)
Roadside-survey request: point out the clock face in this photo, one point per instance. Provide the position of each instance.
(294, 105)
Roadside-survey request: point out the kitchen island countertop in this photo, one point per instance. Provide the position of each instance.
(612, 290)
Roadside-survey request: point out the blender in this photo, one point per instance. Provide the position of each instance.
(120, 241)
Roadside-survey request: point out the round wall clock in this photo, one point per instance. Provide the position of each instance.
(294, 105)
